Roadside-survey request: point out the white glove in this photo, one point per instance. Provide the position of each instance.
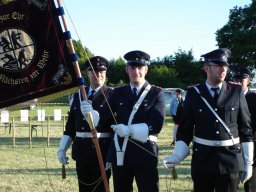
(247, 151)
(181, 151)
(108, 166)
(65, 142)
(121, 129)
(139, 132)
(86, 107)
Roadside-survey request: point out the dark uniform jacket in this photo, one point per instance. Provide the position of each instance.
(198, 120)
(251, 101)
(83, 149)
(151, 111)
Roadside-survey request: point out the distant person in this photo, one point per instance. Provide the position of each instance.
(215, 116)
(175, 112)
(79, 133)
(242, 76)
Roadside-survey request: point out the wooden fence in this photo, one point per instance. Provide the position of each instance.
(33, 125)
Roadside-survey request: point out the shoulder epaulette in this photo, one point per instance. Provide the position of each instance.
(232, 82)
(109, 90)
(157, 87)
(193, 85)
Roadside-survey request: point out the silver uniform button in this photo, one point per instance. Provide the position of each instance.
(215, 109)
(217, 132)
(232, 109)
(217, 120)
(200, 110)
(120, 103)
(82, 128)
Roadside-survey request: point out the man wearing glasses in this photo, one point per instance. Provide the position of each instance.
(216, 117)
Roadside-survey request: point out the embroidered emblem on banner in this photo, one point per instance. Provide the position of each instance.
(17, 50)
(34, 58)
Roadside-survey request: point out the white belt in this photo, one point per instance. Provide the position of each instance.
(89, 134)
(152, 138)
(217, 143)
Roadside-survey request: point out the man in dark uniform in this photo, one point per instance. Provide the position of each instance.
(134, 152)
(78, 130)
(242, 76)
(215, 115)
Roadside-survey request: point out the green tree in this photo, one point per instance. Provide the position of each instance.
(166, 61)
(239, 35)
(83, 53)
(161, 75)
(189, 71)
(116, 74)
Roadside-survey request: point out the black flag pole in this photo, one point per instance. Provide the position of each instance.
(89, 117)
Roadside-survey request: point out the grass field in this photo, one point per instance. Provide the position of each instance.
(36, 168)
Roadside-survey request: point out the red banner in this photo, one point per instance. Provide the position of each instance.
(34, 58)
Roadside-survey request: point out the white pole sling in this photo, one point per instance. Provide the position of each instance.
(216, 115)
(119, 152)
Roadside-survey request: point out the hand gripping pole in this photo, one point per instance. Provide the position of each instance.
(89, 118)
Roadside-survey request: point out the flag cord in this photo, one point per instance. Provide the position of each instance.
(112, 113)
(86, 57)
(45, 157)
(89, 117)
(85, 53)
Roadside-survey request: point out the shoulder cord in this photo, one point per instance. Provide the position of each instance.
(86, 55)
(135, 109)
(216, 115)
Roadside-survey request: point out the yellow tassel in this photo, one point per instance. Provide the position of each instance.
(174, 173)
(63, 172)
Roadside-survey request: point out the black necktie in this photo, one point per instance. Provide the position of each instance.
(216, 94)
(134, 93)
(92, 94)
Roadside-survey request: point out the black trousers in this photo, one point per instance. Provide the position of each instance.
(250, 186)
(174, 118)
(146, 179)
(88, 174)
(204, 182)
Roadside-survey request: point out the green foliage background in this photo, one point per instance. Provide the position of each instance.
(181, 69)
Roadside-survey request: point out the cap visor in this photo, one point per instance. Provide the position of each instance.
(136, 64)
(98, 68)
(220, 62)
